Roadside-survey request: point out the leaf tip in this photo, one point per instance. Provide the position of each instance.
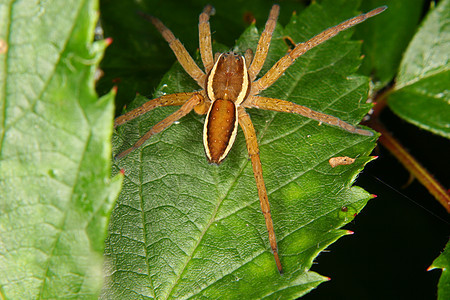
(108, 41)
(433, 267)
(373, 196)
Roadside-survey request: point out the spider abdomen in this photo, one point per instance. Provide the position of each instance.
(220, 130)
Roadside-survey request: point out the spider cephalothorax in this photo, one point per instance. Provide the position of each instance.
(229, 84)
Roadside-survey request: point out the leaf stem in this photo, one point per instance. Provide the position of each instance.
(405, 158)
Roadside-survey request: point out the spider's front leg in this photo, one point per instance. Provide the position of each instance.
(204, 37)
(253, 151)
(264, 42)
(286, 61)
(183, 57)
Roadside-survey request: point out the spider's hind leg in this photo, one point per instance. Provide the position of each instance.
(195, 99)
(165, 100)
(253, 152)
(289, 107)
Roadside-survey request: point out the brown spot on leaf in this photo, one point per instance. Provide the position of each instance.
(340, 160)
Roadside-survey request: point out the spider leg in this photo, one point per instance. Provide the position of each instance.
(184, 110)
(204, 32)
(264, 43)
(286, 61)
(165, 100)
(184, 58)
(253, 151)
(289, 107)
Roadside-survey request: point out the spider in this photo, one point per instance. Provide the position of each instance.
(229, 85)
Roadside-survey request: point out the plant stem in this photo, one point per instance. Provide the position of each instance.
(405, 158)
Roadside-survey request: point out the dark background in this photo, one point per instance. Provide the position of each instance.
(398, 234)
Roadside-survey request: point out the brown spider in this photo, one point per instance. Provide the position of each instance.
(229, 85)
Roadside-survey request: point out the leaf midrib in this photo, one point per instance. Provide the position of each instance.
(64, 218)
(144, 230)
(417, 79)
(46, 84)
(7, 40)
(210, 222)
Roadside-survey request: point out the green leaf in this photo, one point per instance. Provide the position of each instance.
(421, 94)
(383, 42)
(183, 228)
(56, 193)
(443, 262)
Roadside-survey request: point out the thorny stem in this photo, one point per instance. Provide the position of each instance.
(406, 159)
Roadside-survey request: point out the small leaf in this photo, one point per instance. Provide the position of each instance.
(443, 262)
(184, 228)
(422, 96)
(56, 192)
